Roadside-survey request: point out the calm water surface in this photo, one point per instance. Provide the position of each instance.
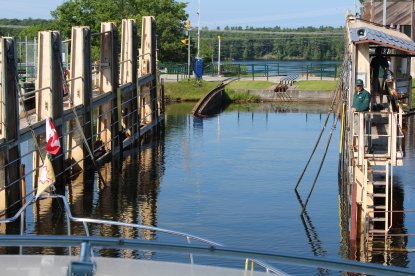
(231, 179)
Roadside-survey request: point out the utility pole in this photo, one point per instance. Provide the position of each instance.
(198, 31)
(219, 57)
(384, 12)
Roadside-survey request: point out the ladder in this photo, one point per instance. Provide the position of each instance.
(379, 213)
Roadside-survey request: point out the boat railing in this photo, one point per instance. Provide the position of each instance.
(206, 248)
(85, 221)
(86, 252)
(86, 243)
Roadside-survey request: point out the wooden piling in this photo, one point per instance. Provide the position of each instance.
(108, 75)
(49, 99)
(9, 128)
(128, 76)
(81, 93)
(148, 95)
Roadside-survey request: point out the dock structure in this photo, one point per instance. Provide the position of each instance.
(98, 108)
(372, 144)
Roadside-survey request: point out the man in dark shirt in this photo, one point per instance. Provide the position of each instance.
(361, 103)
(379, 67)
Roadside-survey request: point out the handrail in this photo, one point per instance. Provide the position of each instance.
(108, 222)
(229, 252)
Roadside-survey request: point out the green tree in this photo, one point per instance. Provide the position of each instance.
(170, 16)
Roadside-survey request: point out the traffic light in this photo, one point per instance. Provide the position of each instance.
(185, 41)
(187, 24)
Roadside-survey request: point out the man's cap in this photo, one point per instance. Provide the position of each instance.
(359, 82)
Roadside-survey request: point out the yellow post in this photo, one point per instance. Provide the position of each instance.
(23, 182)
(342, 129)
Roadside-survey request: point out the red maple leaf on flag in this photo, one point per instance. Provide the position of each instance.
(52, 139)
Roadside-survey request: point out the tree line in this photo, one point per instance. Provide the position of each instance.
(305, 43)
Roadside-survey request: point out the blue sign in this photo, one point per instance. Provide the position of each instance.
(198, 68)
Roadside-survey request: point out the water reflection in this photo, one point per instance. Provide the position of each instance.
(231, 179)
(130, 195)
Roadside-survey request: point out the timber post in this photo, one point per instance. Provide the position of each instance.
(128, 75)
(49, 98)
(81, 93)
(109, 83)
(148, 95)
(10, 192)
(153, 68)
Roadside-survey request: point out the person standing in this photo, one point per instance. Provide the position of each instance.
(361, 98)
(379, 67)
(361, 103)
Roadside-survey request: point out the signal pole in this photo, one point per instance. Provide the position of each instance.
(187, 26)
(188, 53)
(219, 57)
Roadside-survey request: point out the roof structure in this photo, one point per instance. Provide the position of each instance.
(363, 32)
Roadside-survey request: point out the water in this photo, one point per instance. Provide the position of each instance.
(230, 179)
(236, 174)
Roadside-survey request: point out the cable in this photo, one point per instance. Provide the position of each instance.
(78, 124)
(319, 138)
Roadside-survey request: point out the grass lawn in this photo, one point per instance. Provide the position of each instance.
(188, 90)
(250, 85)
(192, 90)
(316, 85)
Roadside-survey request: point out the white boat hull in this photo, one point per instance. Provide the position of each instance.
(45, 265)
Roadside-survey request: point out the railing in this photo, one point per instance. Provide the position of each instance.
(87, 243)
(252, 70)
(228, 252)
(391, 141)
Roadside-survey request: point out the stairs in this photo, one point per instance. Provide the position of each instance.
(378, 214)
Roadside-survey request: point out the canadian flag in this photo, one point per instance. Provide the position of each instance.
(52, 139)
(46, 177)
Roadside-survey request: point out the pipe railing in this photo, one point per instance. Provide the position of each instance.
(212, 249)
(368, 135)
(86, 221)
(222, 251)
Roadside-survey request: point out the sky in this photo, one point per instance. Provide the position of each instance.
(221, 13)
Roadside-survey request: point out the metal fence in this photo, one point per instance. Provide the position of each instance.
(252, 70)
(27, 57)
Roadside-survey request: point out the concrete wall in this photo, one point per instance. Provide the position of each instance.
(295, 95)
